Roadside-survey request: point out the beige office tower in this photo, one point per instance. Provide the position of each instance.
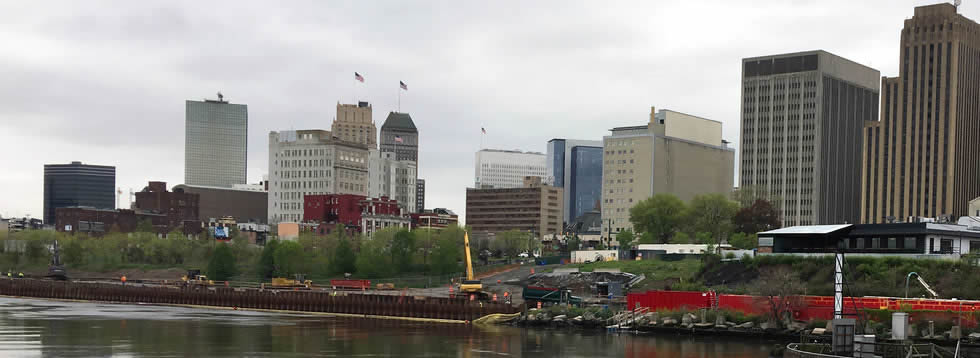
(802, 115)
(675, 153)
(354, 124)
(921, 158)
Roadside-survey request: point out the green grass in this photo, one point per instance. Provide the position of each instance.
(656, 272)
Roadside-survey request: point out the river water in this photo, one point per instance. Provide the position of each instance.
(39, 328)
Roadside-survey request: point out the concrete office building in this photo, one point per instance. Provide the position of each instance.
(355, 123)
(243, 205)
(675, 153)
(215, 143)
(920, 159)
(419, 195)
(77, 184)
(308, 162)
(535, 207)
(802, 115)
(507, 168)
(399, 136)
(974, 207)
(576, 166)
(392, 178)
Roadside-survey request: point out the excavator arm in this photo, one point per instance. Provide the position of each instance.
(469, 260)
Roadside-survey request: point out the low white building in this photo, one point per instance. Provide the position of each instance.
(581, 256)
(687, 249)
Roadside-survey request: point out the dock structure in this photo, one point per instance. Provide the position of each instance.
(343, 303)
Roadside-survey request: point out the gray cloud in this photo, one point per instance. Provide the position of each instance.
(105, 82)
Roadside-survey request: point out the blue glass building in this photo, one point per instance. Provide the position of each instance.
(576, 167)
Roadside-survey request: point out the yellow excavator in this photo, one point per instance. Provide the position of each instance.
(471, 286)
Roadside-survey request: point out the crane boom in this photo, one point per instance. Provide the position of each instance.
(469, 261)
(926, 285)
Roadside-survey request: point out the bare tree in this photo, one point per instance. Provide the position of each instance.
(780, 287)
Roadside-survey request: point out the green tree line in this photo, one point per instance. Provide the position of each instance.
(390, 252)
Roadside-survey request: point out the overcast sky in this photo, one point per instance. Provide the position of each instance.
(104, 82)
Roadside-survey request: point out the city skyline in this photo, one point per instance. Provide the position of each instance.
(119, 100)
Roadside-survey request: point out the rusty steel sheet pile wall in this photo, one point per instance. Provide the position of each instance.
(305, 301)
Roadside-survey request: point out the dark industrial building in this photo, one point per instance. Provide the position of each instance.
(77, 184)
(241, 204)
(97, 222)
(178, 206)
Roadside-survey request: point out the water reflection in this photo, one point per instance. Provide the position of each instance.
(31, 328)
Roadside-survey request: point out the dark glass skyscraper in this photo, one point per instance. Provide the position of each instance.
(585, 186)
(77, 184)
(576, 166)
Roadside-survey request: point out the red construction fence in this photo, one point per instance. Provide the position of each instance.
(806, 308)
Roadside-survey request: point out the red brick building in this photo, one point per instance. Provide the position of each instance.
(178, 206)
(357, 212)
(333, 208)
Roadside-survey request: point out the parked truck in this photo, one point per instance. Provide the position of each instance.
(549, 296)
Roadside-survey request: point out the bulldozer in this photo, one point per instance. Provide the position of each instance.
(195, 278)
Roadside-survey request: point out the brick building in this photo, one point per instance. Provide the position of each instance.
(356, 212)
(178, 206)
(535, 207)
(438, 218)
(97, 222)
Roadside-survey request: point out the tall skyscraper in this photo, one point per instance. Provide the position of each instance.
(78, 184)
(215, 143)
(576, 166)
(802, 115)
(399, 136)
(355, 124)
(308, 162)
(920, 159)
(675, 153)
(507, 168)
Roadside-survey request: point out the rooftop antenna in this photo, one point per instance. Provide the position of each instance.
(221, 97)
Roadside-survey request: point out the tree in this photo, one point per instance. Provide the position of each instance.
(680, 238)
(779, 285)
(760, 216)
(748, 194)
(222, 267)
(290, 259)
(743, 241)
(402, 249)
(574, 243)
(344, 260)
(447, 251)
(144, 226)
(371, 261)
(267, 261)
(625, 238)
(712, 214)
(660, 215)
(511, 242)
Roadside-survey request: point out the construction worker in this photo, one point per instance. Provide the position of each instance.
(123, 279)
(9, 275)
(20, 275)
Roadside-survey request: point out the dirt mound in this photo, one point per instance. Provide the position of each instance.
(728, 274)
(578, 282)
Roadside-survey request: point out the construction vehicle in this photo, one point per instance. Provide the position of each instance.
(471, 286)
(195, 278)
(922, 282)
(56, 270)
(299, 282)
(550, 296)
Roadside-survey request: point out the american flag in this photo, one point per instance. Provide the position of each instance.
(398, 139)
(357, 76)
(403, 85)
(484, 130)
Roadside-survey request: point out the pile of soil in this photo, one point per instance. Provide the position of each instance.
(729, 274)
(578, 282)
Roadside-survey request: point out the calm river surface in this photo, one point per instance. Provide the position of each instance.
(38, 328)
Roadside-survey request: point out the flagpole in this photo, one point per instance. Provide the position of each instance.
(399, 98)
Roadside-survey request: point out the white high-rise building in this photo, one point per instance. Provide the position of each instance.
(312, 162)
(215, 143)
(507, 168)
(395, 179)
